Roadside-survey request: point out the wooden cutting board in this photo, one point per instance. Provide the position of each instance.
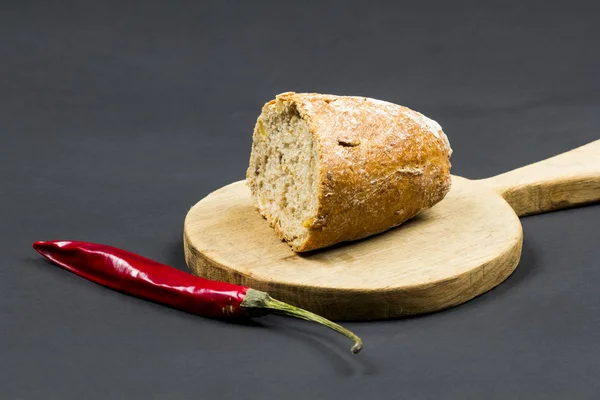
(462, 247)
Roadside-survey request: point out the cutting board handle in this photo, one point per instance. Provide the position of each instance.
(563, 181)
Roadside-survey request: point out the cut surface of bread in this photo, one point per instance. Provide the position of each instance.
(326, 169)
(284, 172)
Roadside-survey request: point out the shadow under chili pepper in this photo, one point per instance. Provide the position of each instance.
(318, 340)
(155, 282)
(343, 364)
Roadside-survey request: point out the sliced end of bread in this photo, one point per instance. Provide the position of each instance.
(283, 173)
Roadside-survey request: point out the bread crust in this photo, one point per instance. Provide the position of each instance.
(380, 164)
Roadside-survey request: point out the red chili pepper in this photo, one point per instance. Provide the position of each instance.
(135, 275)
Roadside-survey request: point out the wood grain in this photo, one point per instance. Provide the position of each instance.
(462, 247)
(563, 181)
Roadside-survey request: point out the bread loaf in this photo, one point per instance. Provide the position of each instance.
(326, 169)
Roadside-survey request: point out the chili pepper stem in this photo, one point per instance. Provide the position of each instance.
(255, 299)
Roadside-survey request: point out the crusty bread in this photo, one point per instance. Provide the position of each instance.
(326, 169)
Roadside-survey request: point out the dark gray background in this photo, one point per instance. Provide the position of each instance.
(115, 119)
